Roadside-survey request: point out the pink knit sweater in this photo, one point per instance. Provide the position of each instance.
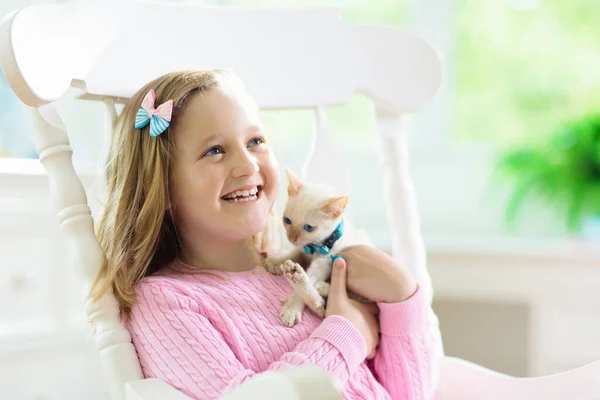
(206, 334)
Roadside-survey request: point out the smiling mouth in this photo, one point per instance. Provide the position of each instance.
(244, 196)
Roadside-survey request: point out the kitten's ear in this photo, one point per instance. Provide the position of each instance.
(335, 206)
(294, 183)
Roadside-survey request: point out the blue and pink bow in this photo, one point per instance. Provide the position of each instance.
(159, 117)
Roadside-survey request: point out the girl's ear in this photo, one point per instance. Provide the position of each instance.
(295, 184)
(335, 206)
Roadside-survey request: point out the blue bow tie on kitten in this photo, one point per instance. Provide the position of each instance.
(316, 228)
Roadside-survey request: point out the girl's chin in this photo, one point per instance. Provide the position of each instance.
(252, 227)
(247, 220)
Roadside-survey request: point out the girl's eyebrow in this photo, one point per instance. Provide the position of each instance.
(201, 145)
(254, 128)
(207, 140)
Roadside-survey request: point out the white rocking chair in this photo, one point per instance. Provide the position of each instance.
(288, 59)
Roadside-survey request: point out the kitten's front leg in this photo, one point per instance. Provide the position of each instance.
(323, 288)
(273, 264)
(319, 273)
(303, 286)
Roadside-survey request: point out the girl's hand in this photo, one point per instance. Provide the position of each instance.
(376, 276)
(362, 316)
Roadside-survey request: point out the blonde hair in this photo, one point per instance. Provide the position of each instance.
(136, 233)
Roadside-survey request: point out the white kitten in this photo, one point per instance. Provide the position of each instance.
(315, 226)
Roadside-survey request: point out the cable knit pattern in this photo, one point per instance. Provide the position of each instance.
(205, 334)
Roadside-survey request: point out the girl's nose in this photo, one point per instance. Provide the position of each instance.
(245, 165)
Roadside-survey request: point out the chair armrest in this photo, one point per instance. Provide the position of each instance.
(465, 380)
(152, 389)
(301, 383)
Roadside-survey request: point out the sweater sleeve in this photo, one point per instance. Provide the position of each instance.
(405, 360)
(180, 346)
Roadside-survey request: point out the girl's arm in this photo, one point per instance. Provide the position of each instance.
(405, 362)
(409, 346)
(177, 344)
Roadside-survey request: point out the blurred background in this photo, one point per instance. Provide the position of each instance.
(506, 163)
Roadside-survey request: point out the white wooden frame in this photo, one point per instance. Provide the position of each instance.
(287, 58)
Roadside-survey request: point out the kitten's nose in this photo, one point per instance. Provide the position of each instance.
(293, 237)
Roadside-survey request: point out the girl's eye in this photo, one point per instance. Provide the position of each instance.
(309, 228)
(213, 151)
(287, 220)
(257, 141)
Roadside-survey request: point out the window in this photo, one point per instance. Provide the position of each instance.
(523, 67)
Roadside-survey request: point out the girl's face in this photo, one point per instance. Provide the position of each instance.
(224, 178)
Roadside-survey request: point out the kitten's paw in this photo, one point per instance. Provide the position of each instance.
(322, 288)
(316, 304)
(273, 265)
(291, 311)
(293, 272)
(320, 311)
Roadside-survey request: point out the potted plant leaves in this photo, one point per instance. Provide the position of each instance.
(562, 171)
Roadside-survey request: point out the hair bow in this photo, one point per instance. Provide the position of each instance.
(159, 117)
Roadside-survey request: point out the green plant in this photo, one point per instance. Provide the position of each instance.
(563, 171)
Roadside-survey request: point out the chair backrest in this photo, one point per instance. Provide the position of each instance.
(288, 58)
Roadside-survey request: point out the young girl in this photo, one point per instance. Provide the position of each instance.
(192, 182)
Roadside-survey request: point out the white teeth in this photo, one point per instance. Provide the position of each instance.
(243, 195)
(245, 199)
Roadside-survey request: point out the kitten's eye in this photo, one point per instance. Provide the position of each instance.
(309, 228)
(287, 220)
